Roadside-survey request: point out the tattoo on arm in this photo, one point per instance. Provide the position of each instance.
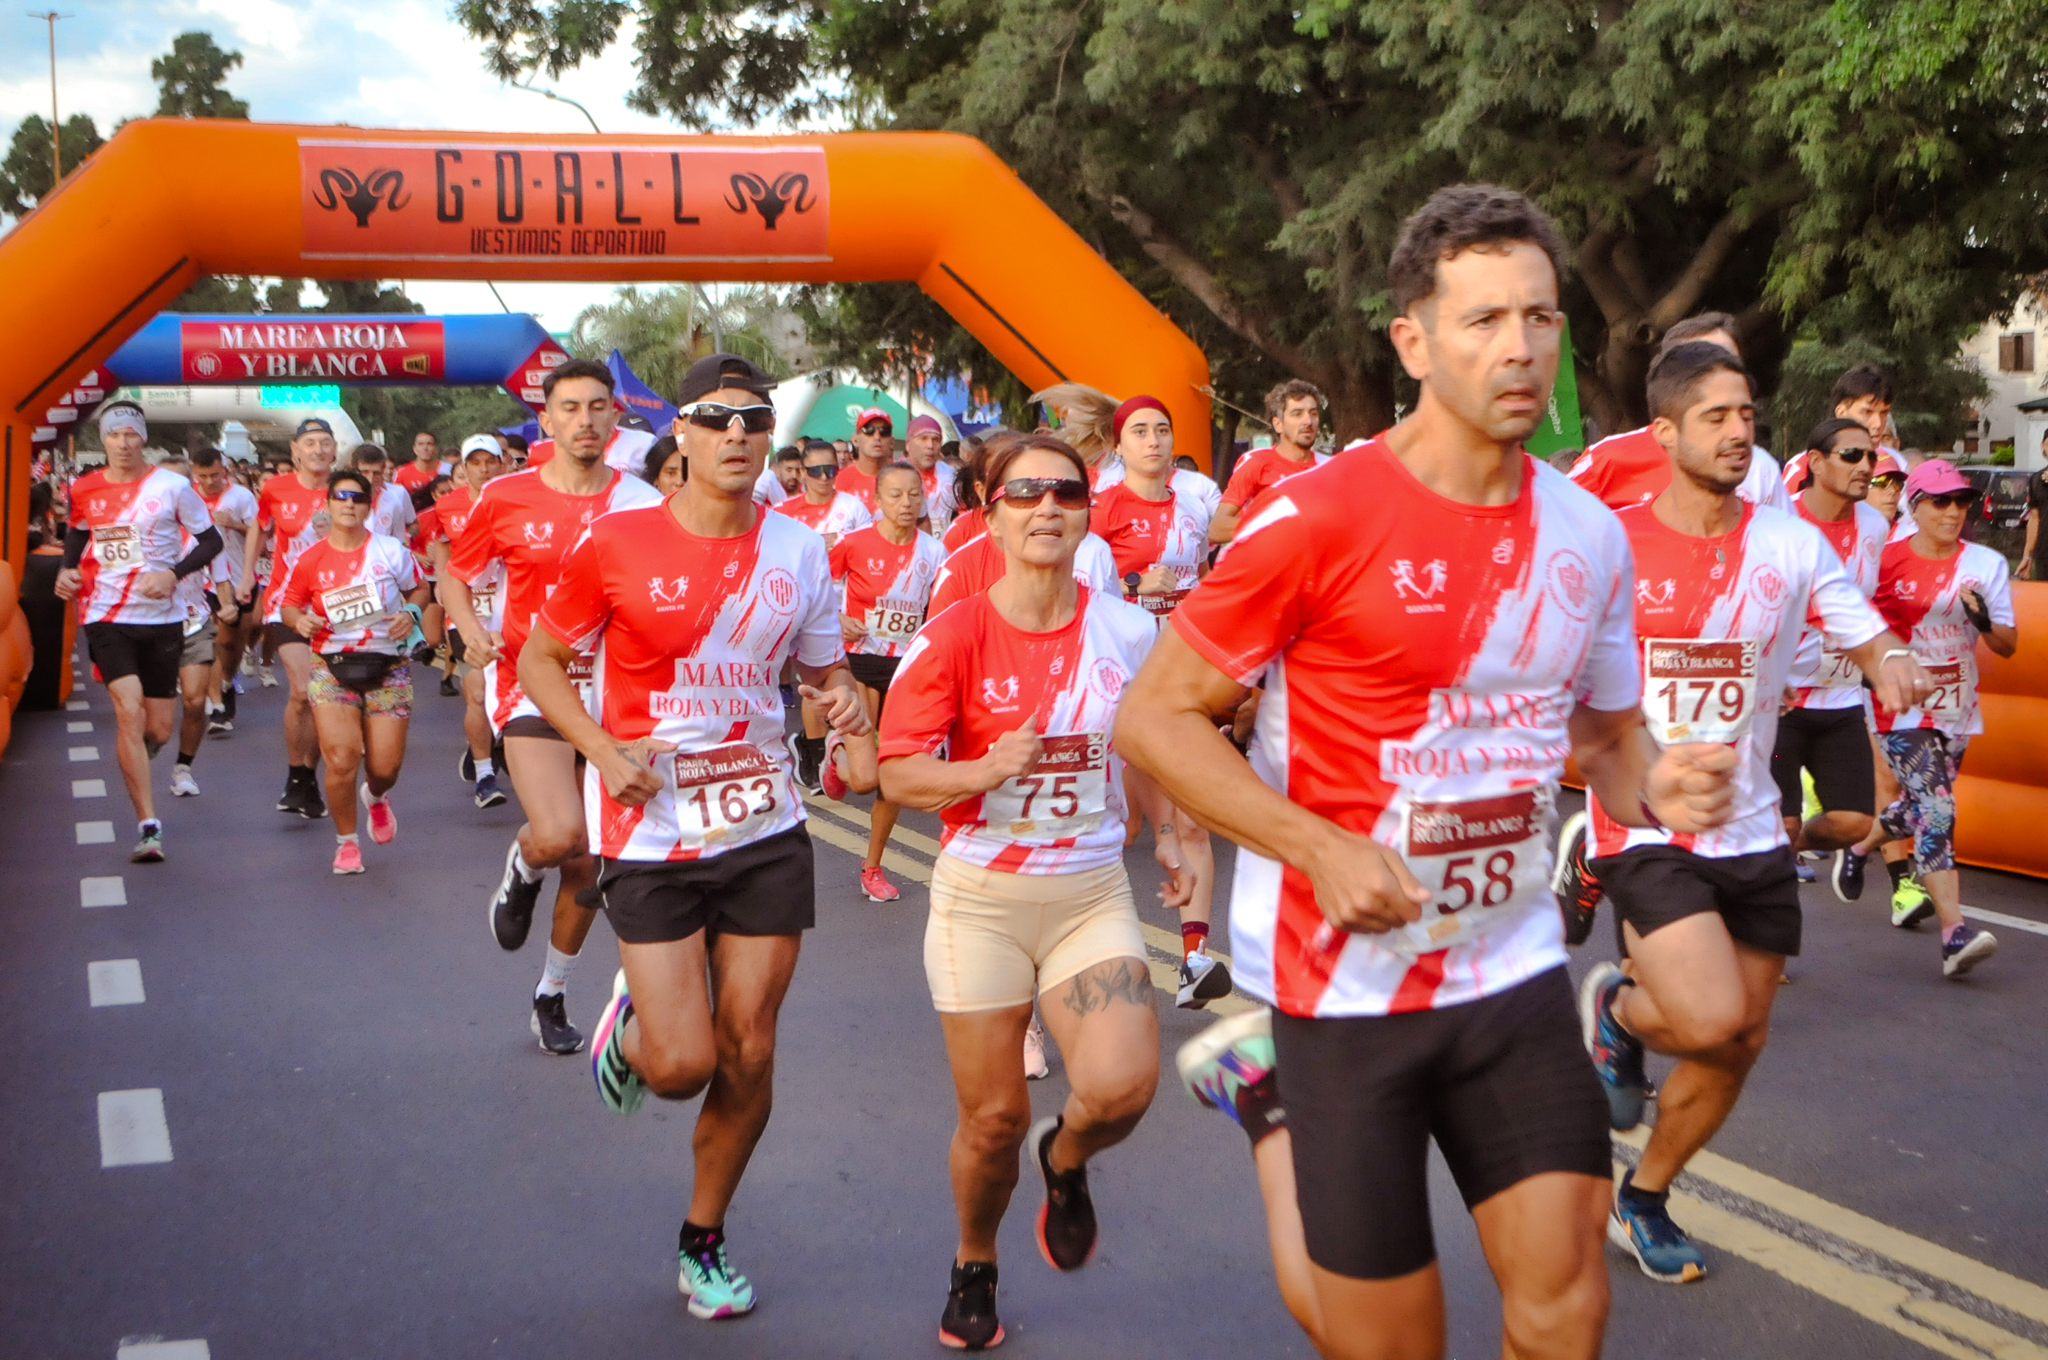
(1098, 988)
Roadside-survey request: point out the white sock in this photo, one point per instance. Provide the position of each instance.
(483, 767)
(554, 977)
(349, 839)
(526, 871)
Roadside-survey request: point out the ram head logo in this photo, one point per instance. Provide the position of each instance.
(789, 191)
(340, 188)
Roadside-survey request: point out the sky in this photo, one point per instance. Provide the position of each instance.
(373, 63)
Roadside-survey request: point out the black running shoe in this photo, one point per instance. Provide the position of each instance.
(1578, 891)
(1066, 1221)
(448, 686)
(288, 801)
(512, 904)
(311, 805)
(551, 1025)
(808, 761)
(969, 1322)
(466, 767)
(1847, 878)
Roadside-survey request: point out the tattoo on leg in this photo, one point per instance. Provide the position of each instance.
(1117, 980)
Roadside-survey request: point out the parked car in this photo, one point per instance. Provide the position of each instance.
(1997, 517)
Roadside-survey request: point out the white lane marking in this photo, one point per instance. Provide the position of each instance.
(102, 892)
(77, 706)
(115, 982)
(78, 727)
(1999, 918)
(163, 1350)
(132, 1128)
(95, 833)
(88, 788)
(85, 753)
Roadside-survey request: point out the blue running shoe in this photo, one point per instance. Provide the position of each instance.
(706, 1278)
(1641, 1226)
(1965, 950)
(1617, 1054)
(1229, 1067)
(618, 1085)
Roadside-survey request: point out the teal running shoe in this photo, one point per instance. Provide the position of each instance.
(1617, 1054)
(707, 1279)
(1230, 1067)
(618, 1085)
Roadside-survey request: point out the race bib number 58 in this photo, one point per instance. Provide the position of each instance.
(1699, 691)
(1475, 855)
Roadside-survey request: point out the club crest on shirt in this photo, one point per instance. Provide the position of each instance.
(1571, 583)
(1108, 679)
(1767, 585)
(778, 585)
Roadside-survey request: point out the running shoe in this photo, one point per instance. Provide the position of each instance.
(807, 767)
(1617, 1054)
(1809, 807)
(149, 849)
(1229, 1067)
(1910, 904)
(511, 911)
(269, 679)
(288, 801)
(1966, 949)
(383, 819)
(551, 1025)
(830, 781)
(875, 885)
(182, 783)
(707, 1279)
(1578, 891)
(1640, 1225)
(465, 768)
(1202, 980)
(449, 688)
(220, 726)
(618, 1085)
(1035, 1066)
(348, 858)
(487, 793)
(1847, 879)
(969, 1322)
(248, 663)
(1803, 871)
(1066, 1221)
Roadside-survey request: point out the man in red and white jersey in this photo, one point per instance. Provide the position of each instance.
(516, 539)
(124, 560)
(426, 462)
(822, 506)
(483, 460)
(1825, 732)
(293, 510)
(1945, 595)
(206, 603)
(1295, 411)
(1632, 468)
(233, 507)
(885, 573)
(392, 513)
(1724, 592)
(692, 607)
(922, 441)
(874, 445)
(1438, 620)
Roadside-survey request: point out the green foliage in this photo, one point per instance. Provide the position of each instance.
(25, 176)
(661, 331)
(190, 78)
(1933, 384)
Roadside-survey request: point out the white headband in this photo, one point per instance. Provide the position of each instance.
(123, 418)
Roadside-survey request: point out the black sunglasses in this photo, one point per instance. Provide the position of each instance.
(1949, 500)
(712, 415)
(1068, 493)
(339, 494)
(1855, 456)
(826, 470)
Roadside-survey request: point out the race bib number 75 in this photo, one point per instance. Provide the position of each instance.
(1066, 794)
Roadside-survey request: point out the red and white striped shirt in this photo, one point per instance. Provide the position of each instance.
(135, 529)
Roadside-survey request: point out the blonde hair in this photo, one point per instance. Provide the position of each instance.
(1087, 417)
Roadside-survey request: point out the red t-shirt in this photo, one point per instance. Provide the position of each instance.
(298, 516)
(417, 473)
(626, 450)
(970, 525)
(860, 485)
(135, 530)
(1261, 470)
(840, 515)
(1142, 534)
(886, 586)
(355, 595)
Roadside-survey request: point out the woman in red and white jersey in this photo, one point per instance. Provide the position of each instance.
(1002, 720)
(980, 562)
(1159, 532)
(1942, 595)
(346, 598)
(971, 490)
(822, 506)
(885, 573)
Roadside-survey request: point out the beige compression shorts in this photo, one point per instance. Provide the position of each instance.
(996, 939)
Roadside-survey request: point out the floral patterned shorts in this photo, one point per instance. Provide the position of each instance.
(392, 699)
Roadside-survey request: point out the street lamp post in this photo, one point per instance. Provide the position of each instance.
(56, 147)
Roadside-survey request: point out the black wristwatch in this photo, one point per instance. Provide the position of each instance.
(1131, 579)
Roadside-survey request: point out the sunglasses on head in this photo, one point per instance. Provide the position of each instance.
(826, 470)
(1068, 493)
(713, 415)
(1949, 500)
(344, 494)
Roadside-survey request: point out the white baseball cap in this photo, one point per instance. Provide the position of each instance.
(483, 443)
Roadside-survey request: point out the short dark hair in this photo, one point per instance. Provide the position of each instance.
(370, 453)
(513, 441)
(576, 368)
(1460, 218)
(1004, 452)
(790, 453)
(1678, 371)
(813, 444)
(206, 457)
(1282, 393)
(888, 468)
(1864, 380)
(1821, 439)
(1694, 327)
(347, 474)
(428, 433)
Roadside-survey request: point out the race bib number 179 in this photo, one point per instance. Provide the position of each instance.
(1699, 691)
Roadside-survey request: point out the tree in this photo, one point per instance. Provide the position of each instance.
(661, 331)
(25, 176)
(1248, 163)
(190, 77)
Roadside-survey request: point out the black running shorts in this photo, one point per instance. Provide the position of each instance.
(1756, 895)
(767, 888)
(283, 635)
(1834, 743)
(1502, 1084)
(531, 725)
(876, 672)
(147, 651)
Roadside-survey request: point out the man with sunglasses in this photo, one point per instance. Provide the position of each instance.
(692, 607)
(833, 513)
(1825, 732)
(515, 541)
(874, 446)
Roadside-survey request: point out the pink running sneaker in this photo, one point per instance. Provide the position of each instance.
(383, 821)
(348, 858)
(834, 784)
(875, 885)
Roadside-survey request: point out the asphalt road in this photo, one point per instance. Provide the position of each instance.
(369, 1157)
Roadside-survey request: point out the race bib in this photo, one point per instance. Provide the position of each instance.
(894, 621)
(726, 796)
(485, 603)
(352, 607)
(583, 675)
(1161, 604)
(263, 566)
(195, 618)
(1950, 701)
(1699, 691)
(117, 546)
(1837, 671)
(1475, 855)
(1067, 794)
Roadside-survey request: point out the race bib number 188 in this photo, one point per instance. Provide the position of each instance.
(1699, 691)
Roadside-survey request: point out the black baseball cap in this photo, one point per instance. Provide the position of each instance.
(714, 371)
(311, 423)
